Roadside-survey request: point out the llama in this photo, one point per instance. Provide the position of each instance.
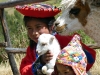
(80, 15)
(48, 42)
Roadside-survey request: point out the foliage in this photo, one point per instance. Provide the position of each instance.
(3, 0)
(53, 2)
(85, 38)
(17, 32)
(1, 34)
(17, 29)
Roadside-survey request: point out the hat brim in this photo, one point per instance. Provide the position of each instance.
(35, 12)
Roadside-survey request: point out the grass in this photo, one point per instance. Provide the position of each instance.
(95, 70)
(5, 68)
(3, 1)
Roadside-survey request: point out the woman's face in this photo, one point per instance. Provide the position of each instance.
(64, 70)
(35, 28)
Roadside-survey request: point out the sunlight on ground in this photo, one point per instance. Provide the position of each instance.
(96, 67)
(5, 69)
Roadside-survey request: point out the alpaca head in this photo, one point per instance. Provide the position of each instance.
(44, 43)
(73, 17)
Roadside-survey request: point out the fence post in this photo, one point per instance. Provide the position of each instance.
(7, 39)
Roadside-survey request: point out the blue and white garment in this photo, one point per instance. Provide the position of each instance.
(37, 65)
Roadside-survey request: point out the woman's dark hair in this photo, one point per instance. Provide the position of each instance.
(48, 21)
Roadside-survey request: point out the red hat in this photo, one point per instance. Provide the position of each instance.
(38, 10)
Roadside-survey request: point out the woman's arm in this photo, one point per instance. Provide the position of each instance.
(27, 61)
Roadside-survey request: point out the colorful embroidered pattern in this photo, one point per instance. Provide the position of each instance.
(74, 56)
(45, 6)
(36, 5)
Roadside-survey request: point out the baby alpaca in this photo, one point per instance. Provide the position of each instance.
(48, 42)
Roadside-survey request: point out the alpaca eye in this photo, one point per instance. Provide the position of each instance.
(43, 44)
(74, 11)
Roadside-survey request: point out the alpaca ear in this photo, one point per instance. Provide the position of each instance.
(51, 40)
(83, 1)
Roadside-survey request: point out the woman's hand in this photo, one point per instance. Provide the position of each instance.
(46, 57)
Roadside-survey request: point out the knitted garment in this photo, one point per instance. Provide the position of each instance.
(74, 56)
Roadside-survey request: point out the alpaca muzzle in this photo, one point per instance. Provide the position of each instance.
(38, 52)
(60, 29)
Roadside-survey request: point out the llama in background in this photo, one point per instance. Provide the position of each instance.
(80, 15)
